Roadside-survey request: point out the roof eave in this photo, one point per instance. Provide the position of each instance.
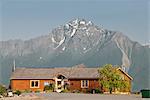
(125, 73)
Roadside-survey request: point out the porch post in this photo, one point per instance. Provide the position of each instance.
(55, 83)
(62, 84)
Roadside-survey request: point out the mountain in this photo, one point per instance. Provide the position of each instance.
(78, 41)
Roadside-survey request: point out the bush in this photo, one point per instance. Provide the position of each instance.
(17, 92)
(97, 90)
(2, 90)
(75, 91)
(65, 91)
(37, 91)
(46, 88)
(27, 91)
(49, 87)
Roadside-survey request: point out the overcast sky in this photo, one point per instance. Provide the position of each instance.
(25, 19)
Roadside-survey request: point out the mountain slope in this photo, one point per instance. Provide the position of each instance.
(78, 41)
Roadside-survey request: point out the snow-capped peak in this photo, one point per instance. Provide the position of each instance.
(84, 32)
(79, 21)
(89, 23)
(82, 22)
(74, 23)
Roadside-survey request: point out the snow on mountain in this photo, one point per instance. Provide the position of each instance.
(73, 32)
(147, 44)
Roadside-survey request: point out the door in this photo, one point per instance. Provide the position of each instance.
(59, 83)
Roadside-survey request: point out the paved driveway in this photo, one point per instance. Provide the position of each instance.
(75, 96)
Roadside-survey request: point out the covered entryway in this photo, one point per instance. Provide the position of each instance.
(60, 82)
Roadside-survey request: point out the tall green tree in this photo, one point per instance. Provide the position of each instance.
(110, 78)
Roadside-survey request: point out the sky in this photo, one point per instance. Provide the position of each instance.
(26, 19)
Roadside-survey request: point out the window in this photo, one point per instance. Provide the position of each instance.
(46, 83)
(84, 83)
(34, 83)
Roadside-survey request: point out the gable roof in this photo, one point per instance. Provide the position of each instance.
(78, 71)
(75, 72)
(125, 73)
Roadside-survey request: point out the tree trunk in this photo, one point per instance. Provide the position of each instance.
(110, 90)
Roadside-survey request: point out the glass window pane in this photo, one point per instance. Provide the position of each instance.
(82, 83)
(32, 83)
(86, 83)
(46, 83)
(36, 83)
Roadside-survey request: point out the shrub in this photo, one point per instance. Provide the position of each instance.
(96, 90)
(37, 91)
(49, 87)
(65, 91)
(2, 90)
(46, 88)
(27, 91)
(75, 91)
(17, 92)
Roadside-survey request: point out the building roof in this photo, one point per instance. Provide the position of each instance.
(75, 72)
(79, 71)
(125, 73)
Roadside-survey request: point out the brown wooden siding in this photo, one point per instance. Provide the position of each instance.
(75, 84)
(20, 84)
(25, 85)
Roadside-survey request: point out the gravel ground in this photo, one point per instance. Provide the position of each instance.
(23, 97)
(74, 96)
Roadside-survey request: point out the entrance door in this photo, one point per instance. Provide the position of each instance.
(59, 83)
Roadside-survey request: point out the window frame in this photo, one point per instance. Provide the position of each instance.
(34, 83)
(84, 83)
